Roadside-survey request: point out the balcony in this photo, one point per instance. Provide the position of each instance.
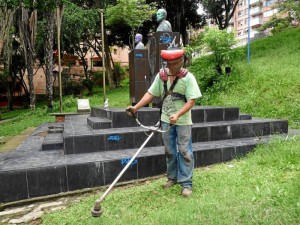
(256, 22)
(252, 2)
(255, 11)
(231, 21)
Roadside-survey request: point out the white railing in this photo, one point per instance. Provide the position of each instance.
(254, 2)
(256, 10)
(255, 21)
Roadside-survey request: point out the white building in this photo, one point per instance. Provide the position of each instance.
(260, 12)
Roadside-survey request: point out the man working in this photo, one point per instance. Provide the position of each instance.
(179, 89)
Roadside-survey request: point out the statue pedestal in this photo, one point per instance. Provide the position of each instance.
(139, 79)
(161, 40)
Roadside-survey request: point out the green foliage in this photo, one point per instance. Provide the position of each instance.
(275, 24)
(290, 7)
(220, 43)
(195, 45)
(204, 69)
(71, 87)
(119, 70)
(88, 84)
(77, 24)
(129, 12)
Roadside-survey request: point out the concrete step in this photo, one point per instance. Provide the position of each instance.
(148, 116)
(99, 123)
(28, 175)
(53, 141)
(78, 141)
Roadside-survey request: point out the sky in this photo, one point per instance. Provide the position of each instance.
(200, 9)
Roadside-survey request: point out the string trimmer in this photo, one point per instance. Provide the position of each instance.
(97, 210)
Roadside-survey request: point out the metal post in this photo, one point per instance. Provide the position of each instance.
(103, 54)
(133, 39)
(248, 31)
(59, 60)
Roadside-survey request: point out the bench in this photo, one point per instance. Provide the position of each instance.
(60, 117)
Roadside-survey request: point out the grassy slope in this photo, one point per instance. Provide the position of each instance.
(270, 85)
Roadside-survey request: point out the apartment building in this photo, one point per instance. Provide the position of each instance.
(260, 11)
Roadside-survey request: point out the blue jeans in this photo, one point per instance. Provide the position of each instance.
(179, 153)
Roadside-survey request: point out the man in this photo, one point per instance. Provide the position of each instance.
(179, 89)
(138, 41)
(164, 25)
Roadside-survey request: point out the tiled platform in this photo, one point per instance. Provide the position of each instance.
(40, 165)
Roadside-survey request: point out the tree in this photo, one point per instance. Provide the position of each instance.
(128, 14)
(288, 14)
(27, 33)
(221, 11)
(291, 7)
(78, 25)
(6, 26)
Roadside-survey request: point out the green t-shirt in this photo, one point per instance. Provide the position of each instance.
(186, 86)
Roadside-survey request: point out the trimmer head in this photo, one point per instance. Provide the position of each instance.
(96, 210)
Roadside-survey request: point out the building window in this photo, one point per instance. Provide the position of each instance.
(115, 51)
(240, 13)
(269, 2)
(240, 33)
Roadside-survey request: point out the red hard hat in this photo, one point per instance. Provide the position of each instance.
(171, 54)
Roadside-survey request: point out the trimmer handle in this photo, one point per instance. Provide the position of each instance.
(130, 113)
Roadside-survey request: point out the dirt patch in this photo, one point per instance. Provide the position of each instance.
(11, 143)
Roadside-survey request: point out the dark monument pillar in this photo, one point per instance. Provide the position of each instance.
(139, 79)
(161, 40)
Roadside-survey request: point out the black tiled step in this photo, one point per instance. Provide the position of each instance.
(87, 141)
(149, 116)
(53, 141)
(55, 173)
(98, 123)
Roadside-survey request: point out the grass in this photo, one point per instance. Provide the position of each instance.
(263, 188)
(20, 119)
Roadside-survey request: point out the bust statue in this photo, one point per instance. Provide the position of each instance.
(138, 41)
(163, 25)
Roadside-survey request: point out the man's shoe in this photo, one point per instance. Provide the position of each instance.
(186, 192)
(169, 184)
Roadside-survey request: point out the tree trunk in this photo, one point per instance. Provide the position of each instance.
(108, 63)
(26, 38)
(48, 41)
(6, 48)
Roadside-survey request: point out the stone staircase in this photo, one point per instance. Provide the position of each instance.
(91, 150)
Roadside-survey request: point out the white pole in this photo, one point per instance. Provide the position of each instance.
(103, 55)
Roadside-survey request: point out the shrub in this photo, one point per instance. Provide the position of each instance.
(88, 84)
(220, 44)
